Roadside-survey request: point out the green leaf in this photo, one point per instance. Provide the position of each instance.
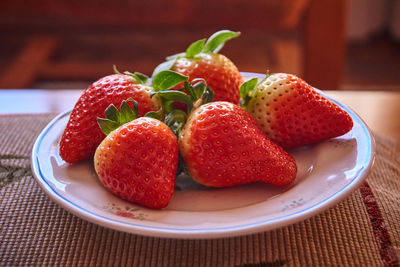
(167, 79)
(175, 96)
(112, 113)
(247, 87)
(167, 65)
(127, 114)
(195, 48)
(107, 126)
(159, 114)
(216, 41)
(167, 106)
(247, 90)
(141, 76)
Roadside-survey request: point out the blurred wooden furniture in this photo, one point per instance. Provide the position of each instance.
(319, 24)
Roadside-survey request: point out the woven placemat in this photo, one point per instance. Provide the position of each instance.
(363, 230)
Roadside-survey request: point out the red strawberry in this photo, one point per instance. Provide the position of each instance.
(201, 60)
(222, 145)
(291, 112)
(82, 134)
(138, 160)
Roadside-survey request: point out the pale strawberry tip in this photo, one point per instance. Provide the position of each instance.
(291, 112)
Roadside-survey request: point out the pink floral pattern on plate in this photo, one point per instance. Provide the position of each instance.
(125, 211)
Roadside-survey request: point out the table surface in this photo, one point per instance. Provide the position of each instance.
(363, 230)
(379, 110)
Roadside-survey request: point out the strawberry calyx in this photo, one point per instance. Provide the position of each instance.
(198, 93)
(140, 78)
(115, 118)
(248, 89)
(161, 84)
(197, 90)
(212, 45)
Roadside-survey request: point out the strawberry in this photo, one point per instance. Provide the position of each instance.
(202, 60)
(291, 112)
(82, 134)
(222, 145)
(138, 159)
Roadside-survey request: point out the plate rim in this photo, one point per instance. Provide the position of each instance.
(209, 233)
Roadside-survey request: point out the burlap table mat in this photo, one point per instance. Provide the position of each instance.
(363, 230)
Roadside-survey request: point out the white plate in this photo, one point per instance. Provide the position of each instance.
(327, 173)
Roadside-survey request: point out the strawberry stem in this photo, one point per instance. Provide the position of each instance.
(116, 71)
(175, 96)
(176, 120)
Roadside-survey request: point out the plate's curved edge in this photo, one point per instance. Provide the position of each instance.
(216, 232)
(54, 196)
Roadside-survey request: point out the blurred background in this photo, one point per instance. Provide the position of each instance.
(332, 44)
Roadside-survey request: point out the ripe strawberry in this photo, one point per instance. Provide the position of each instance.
(138, 160)
(222, 145)
(291, 112)
(202, 60)
(82, 134)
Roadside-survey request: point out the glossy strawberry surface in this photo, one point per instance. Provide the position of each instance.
(82, 134)
(222, 145)
(293, 114)
(138, 162)
(220, 74)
